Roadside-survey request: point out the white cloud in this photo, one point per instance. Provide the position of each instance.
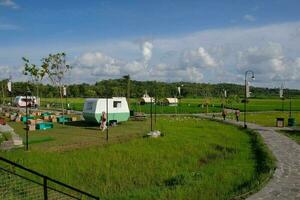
(9, 4)
(198, 58)
(147, 52)
(269, 63)
(249, 18)
(95, 59)
(219, 55)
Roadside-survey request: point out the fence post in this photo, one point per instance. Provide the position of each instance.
(45, 189)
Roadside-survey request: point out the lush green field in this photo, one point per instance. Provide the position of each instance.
(267, 118)
(193, 105)
(195, 159)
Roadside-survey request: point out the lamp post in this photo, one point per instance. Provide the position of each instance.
(151, 123)
(107, 119)
(247, 94)
(28, 93)
(155, 102)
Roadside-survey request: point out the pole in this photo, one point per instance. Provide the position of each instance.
(246, 95)
(27, 120)
(151, 112)
(155, 102)
(107, 120)
(11, 92)
(45, 188)
(245, 100)
(290, 115)
(67, 107)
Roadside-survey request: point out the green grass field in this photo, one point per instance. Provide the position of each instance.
(195, 159)
(190, 105)
(267, 118)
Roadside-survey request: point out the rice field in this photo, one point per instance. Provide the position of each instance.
(192, 105)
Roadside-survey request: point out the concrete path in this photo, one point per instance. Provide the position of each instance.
(285, 184)
(15, 142)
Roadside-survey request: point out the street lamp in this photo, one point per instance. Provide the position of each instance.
(27, 93)
(247, 92)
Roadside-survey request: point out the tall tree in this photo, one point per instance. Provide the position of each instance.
(56, 67)
(35, 72)
(127, 80)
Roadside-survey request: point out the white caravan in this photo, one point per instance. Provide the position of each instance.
(20, 101)
(117, 109)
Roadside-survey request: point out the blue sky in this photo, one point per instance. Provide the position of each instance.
(198, 41)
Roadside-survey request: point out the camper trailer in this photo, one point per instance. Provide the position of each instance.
(32, 101)
(118, 110)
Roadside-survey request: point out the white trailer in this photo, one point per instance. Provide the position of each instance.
(117, 109)
(32, 101)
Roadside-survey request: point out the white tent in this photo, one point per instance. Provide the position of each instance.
(146, 99)
(171, 101)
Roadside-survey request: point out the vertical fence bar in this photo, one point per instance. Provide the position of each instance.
(45, 188)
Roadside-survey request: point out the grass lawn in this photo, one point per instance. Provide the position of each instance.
(294, 134)
(195, 159)
(268, 118)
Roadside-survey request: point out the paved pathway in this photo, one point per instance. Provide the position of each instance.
(285, 184)
(16, 140)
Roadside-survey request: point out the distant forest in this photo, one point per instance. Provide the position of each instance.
(121, 87)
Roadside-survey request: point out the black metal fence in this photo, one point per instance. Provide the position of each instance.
(18, 182)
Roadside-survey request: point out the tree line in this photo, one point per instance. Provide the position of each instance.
(120, 87)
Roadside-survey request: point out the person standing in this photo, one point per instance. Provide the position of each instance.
(224, 113)
(103, 121)
(237, 114)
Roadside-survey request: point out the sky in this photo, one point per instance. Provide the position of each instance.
(165, 40)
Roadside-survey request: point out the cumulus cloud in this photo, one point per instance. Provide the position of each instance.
(14, 71)
(218, 55)
(249, 18)
(269, 62)
(99, 65)
(147, 51)
(9, 4)
(198, 58)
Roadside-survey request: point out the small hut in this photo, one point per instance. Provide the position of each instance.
(171, 101)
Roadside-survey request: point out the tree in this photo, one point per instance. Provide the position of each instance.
(127, 82)
(35, 72)
(55, 67)
(3, 90)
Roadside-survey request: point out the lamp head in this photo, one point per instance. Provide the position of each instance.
(253, 78)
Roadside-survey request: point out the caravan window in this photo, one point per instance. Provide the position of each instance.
(89, 106)
(117, 104)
